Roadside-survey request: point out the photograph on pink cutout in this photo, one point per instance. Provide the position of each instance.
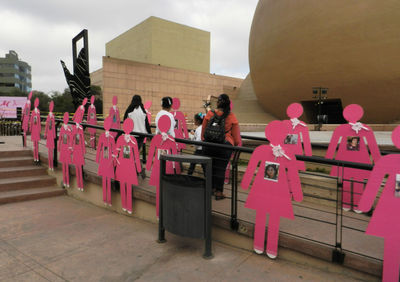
(385, 218)
(161, 144)
(128, 164)
(275, 165)
(356, 141)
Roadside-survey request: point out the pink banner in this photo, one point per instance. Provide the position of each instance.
(9, 105)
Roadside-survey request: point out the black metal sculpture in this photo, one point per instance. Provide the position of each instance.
(79, 82)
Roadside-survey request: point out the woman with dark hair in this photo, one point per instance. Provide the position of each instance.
(232, 138)
(166, 104)
(137, 113)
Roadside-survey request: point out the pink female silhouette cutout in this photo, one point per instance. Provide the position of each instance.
(105, 159)
(92, 120)
(385, 219)
(180, 123)
(147, 106)
(78, 146)
(65, 148)
(270, 190)
(298, 137)
(35, 128)
(161, 144)
(50, 135)
(114, 114)
(128, 164)
(26, 116)
(348, 151)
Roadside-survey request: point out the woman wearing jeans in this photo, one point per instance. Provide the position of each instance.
(232, 138)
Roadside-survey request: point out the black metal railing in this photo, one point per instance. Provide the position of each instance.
(332, 216)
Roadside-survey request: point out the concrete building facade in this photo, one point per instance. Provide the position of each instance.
(158, 41)
(14, 74)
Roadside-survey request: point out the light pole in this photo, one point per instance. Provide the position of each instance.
(320, 93)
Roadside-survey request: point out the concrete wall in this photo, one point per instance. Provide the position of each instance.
(158, 41)
(125, 78)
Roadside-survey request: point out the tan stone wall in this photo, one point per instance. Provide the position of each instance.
(126, 78)
(96, 78)
(158, 41)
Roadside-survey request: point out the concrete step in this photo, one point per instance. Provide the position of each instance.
(15, 153)
(21, 171)
(9, 184)
(29, 194)
(16, 161)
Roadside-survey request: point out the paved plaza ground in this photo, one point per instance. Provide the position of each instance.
(64, 239)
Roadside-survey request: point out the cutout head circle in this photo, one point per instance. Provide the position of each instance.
(294, 110)
(84, 101)
(276, 132)
(147, 105)
(92, 99)
(36, 102)
(66, 118)
(51, 106)
(30, 95)
(114, 100)
(176, 103)
(107, 123)
(128, 126)
(164, 123)
(396, 137)
(353, 113)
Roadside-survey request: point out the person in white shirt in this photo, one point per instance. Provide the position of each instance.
(137, 113)
(166, 104)
(198, 120)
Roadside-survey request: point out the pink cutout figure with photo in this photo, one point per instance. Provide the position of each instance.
(35, 128)
(385, 218)
(270, 191)
(105, 159)
(78, 147)
(92, 120)
(352, 147)
(65, 148)
(180, 123)
(128, 164)
(147, 106)
(161, 144)
(115, 118)
(26, 116)
(298, 137)
(50, 135)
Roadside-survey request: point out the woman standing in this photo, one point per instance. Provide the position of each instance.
(232, 138)
(166, 104)
(137, 114)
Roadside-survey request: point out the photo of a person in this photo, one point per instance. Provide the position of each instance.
(291, 139)
(65, 139)
(353, 143)
(50, 124)
(77, 139)
(127, 152)
(271, 171)
(176, 124)
(35, 120)
(397, 187)
(162, 152)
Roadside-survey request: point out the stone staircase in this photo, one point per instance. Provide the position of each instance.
(22, 180)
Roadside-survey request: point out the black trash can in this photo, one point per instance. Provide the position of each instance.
(185, 201)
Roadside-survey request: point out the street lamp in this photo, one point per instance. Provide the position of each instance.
(320, 93)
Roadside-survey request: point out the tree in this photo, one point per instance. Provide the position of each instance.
(44, 100)
(63, 102)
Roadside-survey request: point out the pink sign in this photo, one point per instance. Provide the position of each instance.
(9, 105)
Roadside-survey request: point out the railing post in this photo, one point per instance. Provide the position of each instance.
(55, 158)
(337, 254)
(234, 222)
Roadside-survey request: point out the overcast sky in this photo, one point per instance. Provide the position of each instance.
(41, 31)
